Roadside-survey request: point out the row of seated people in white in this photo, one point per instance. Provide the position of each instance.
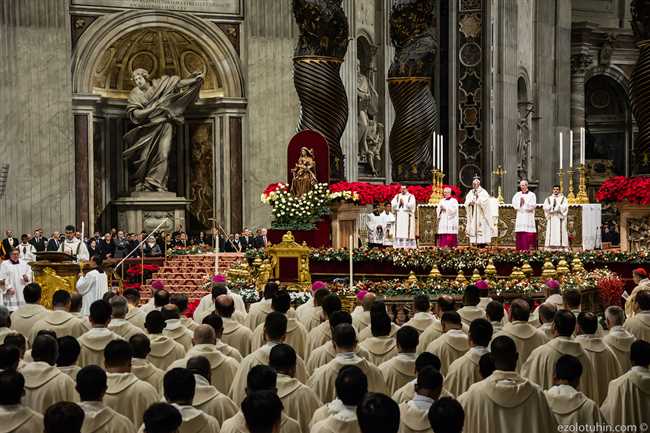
(384, 352)
(190, 384)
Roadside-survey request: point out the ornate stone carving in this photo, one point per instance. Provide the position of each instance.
(640, 83)
(319, 53)
(580, 62)
(523, 139)
(606, 50)
(201, 182)
(303, 177)
(371, 132)
(409, 84)
(232, 32)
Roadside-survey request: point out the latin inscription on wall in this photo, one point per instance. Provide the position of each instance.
(207, 6)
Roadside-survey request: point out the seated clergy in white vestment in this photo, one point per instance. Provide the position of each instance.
(381, 346)
(628, 397)
(260, 378)
(603, 359)
(526, 336)
(91, 386)
(414, 414)
(323, 379)
(470, 310)
(207, 398)
(179, 389)
(44, 383)
(422, 317)
(223, 368)
(15, 416)
(504, 400)
(275, 329)
(340, 415)
(618, 339)
(569, 405)
(639, 325)
(540, 365)
(400, 369)
(299, 401)
(452, 344)
(464, 371)
(424, 360)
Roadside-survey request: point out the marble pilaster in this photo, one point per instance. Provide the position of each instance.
(581, 60)
(350, 139)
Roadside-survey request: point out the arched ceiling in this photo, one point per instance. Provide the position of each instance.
(158, 50)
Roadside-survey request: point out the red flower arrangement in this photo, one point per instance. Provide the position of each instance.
(610, 289)
(634, 190)
(137, 269)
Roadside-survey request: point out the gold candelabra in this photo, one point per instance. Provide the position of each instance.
(436, 186)
(500, 172)
(582, 197)
(571, 198)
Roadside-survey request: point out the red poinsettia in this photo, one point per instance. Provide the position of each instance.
(370, 193)
(634, 190)
(610, 290)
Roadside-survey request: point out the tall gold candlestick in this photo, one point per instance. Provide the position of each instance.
(582, 197)
(571, 198)
(500, 172)
(436, 194)
(560, 175)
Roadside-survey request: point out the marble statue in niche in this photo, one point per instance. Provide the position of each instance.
(156, 106)
(371, 132)
(523, 140)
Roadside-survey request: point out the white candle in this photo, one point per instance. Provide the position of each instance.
(442, 152)
(571, 149)
(561, 144)
(83, 229)
(434, 150)
(582, 145)
(216, 257)
(351, 250)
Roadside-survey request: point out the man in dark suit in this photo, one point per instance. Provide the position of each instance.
(120, 245)
(55, 242)
(106, 246)
(8, 244)
(246, 240)
(260, 241)
(38, 240)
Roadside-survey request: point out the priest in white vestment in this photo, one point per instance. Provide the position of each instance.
(73, 246)
(92, 286)
(525, 202)
(388, 221)
(404, 206)
(15, 274)
(414, 414)
(480, 224)
(569, 405)
(639, 324)
(556, 212)
(618, 339)
(447, 212)
(505, 401)
(628, 397)
(27, 251)
(15, 417)
(375, 228)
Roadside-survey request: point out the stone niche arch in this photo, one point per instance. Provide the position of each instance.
(101, 34)
(206, 168)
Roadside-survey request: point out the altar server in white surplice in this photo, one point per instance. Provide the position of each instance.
(16, 274)
(92, 286)
(556, 211)
(388, 222)
(479, 215)
(73, 246)
(447, 211)
(404, 205)
(525, 202)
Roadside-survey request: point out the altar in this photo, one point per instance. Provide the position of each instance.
(583, 226)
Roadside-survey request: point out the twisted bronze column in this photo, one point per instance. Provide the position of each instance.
(319, 54)
(640, 83)
(409, 84)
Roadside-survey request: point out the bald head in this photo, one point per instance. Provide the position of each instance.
(368, 300)
(224, 305)
(204, 334)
